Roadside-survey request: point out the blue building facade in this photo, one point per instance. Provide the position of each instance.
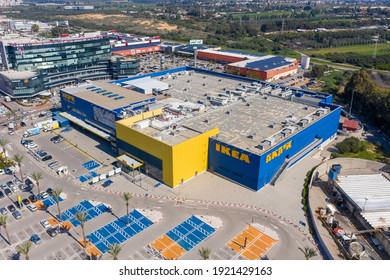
(254, 171)
(94, 114)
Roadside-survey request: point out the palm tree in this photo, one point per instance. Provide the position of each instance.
(18, 158)
(204, 253)
(3, 144)
(126, 197)
(114, 250)
(308, 252)
(56, 194)
(82, 218)
(3, 223)
(24, 249)
(36, 176)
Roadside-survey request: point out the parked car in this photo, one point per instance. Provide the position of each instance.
(55, 138)
(19, 205)
(53, 163)
(107, 183)
(60, 139)
(15, 189)
(23, 124)
(3, 186)
(10, 184)
(11, 208)
(25, 201)
(33, 198)
(46, 158)
(41, 153)
(45, 223)
(3, 211)
(16, 214)
(1, 194)
(49, 191)
(2, 172)
(43, 195)
(52, 232)
(7, 171)
(36, 239)
(31, 145)
(22, 186)
(29, 183)
(7, 191)
(32, 207)
(26, 141)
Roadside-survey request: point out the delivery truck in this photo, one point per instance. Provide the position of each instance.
(31, 132)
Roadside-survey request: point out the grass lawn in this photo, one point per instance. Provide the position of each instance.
(262, 14)
(383, 48)
(372, 152)
(333, 77)
(286, 52)
(313, 60)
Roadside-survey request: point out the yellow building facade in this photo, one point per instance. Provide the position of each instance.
(179, 162)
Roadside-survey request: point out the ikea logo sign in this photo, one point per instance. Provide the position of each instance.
(232, 153)
(278, 152)
(68, 97)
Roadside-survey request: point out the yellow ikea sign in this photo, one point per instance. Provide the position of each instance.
(68, 97)
(232, 153)
(278, 152)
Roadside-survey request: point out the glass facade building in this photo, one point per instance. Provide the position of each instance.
(61, 61)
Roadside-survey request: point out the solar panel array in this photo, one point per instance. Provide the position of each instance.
(106, 93)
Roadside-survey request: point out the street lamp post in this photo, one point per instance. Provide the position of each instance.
(350, 106)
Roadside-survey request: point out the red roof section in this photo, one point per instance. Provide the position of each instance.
(350, 124)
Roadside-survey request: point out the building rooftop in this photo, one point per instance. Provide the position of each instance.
(372, 194)
(31, 40)
(234, 53)
(13, 74)
(265, 63)
(195, 103)
(106, 95)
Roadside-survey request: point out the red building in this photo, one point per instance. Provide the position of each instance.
(350, 125)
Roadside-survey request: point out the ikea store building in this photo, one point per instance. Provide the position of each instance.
(181, 122)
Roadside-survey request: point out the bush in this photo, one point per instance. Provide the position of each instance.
(351, 145)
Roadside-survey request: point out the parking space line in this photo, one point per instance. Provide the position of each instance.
(140, 255)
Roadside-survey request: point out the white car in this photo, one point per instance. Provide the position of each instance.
(43, 195)
(31, 145)
(15, 188)
(32, 207)
(45, 223)
(2, 172)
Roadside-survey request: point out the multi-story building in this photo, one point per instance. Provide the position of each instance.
(58, 61)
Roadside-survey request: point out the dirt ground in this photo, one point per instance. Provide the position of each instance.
(121, 19)
(382, 80)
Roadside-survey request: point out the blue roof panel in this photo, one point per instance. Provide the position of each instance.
(268, 64)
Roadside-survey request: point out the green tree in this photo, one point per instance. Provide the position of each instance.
(36, 176)
(35, 28)
(3, 144)
(204, 253)
(114, 250)
(18, 158)
(58, 30)
(3, 223)
(24, 249)
(308, 252)
(82, 218)
(127, 197)
(56, 194)
(351, 145)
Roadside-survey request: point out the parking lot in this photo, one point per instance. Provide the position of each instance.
(81, 154)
